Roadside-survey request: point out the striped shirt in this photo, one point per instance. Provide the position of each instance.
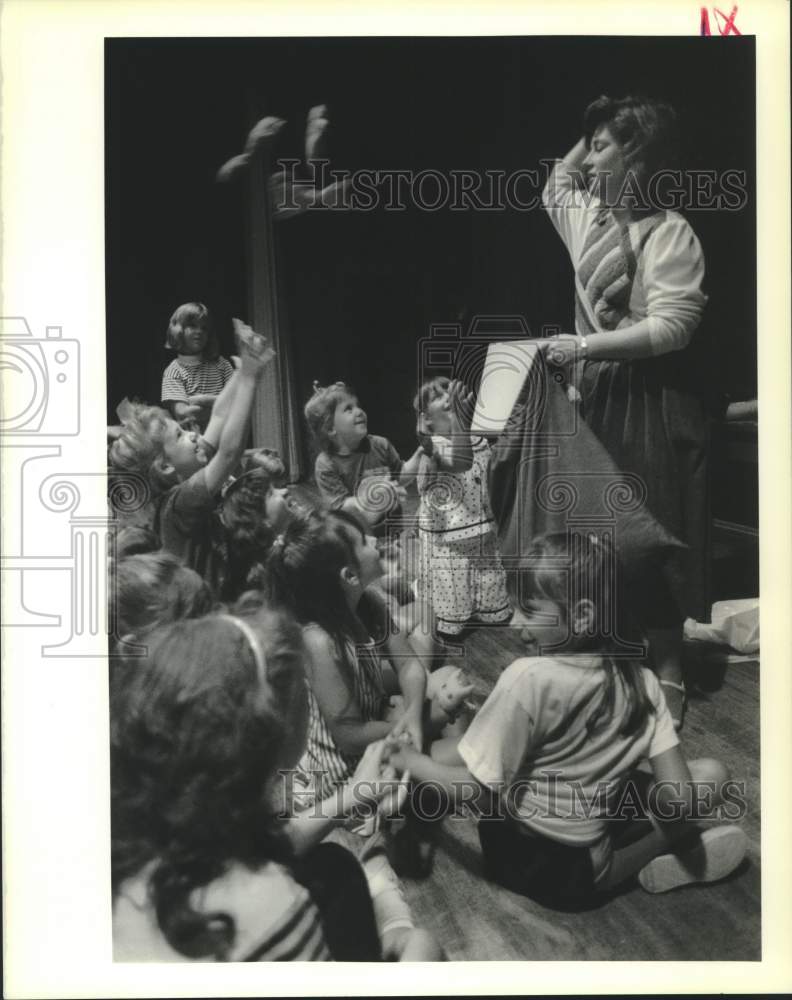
(652, 269)
(275, 919)
(180, 380)
(322, 753)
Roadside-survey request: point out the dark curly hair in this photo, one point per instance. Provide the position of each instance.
(196, 740)
(645, 128)
(246, 534)
(303, 576)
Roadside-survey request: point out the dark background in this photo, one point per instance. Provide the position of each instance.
(363, 287)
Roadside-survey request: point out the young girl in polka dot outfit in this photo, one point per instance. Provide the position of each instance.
(460, 570)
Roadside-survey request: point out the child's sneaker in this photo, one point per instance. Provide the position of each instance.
(716, 854)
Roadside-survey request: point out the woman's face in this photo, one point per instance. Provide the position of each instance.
(606, 167)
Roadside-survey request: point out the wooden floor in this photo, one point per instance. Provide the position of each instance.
(477, 920)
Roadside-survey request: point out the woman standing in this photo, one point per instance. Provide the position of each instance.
(638, 300)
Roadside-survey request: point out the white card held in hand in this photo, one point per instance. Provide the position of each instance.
(505, 370)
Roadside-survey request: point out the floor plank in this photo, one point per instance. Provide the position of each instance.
(476, 920)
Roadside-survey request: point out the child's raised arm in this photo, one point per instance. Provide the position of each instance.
(221, 407)
(255, 356)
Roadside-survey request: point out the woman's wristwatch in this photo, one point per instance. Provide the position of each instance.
(583, 347)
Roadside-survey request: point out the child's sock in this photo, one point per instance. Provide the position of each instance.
(391, 910)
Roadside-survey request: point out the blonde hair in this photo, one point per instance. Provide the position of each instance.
(320, 412)
(140, 444)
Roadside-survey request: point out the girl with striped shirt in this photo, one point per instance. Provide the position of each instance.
(322, 568)
(192, 382)
(204, 865)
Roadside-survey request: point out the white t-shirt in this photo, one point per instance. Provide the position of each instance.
(529, 742)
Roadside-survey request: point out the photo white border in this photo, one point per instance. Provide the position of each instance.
(55, 785)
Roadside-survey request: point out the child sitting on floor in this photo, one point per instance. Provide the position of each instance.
(185, 473)
(253, 512)
(322, 569)
(192, 382)
(355, 471)
(555, 750)
(153, 589)
(204, 866)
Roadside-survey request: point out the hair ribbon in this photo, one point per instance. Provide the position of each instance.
(253, 642)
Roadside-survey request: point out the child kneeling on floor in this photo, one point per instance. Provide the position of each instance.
(553, 755)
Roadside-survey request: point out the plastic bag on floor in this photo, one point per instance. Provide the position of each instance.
(734, 623)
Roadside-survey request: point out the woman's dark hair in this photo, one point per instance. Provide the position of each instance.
(152, 589)
(303, 574)
(247, 535)
(567, 568)
(196, 738)
(645, 128)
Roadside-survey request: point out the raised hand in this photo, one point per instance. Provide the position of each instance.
(255, 353)
(262, 133)
(461, 404)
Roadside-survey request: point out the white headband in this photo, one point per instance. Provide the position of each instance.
(253, 642)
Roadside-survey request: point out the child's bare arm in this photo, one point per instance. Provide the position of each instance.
(412, 681)
(412, 465)
(221, 407)
(307, 829)
(455, 781)
(459, 457)
(255, 356)
(337, 703)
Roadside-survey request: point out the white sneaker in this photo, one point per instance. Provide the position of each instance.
(716, 854)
